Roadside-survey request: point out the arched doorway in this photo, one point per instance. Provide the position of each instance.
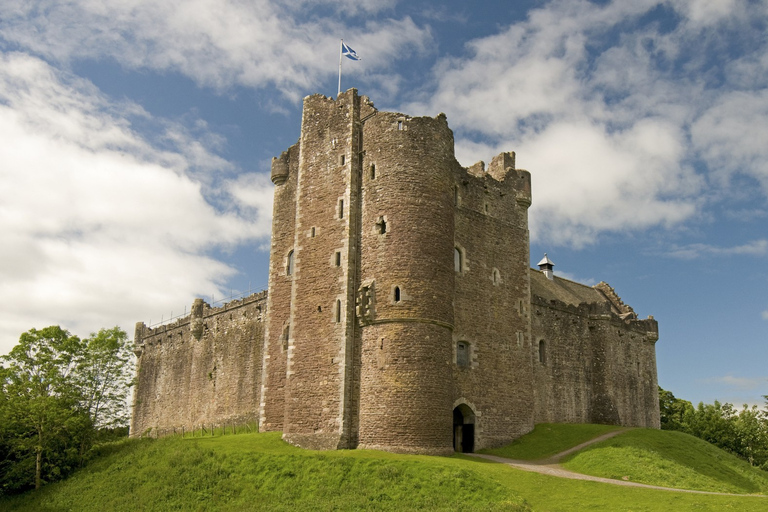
(463, 429)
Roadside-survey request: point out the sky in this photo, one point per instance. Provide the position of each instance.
(136, 139)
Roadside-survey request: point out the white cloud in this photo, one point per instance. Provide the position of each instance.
(741, 383)
(621, 122)
(99, 226)
(217, 43)
(692, 251)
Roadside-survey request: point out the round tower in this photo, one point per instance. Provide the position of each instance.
(406, 284)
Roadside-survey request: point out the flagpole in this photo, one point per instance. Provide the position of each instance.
(341, 44)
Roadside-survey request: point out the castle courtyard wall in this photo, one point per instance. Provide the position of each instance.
(185, 381)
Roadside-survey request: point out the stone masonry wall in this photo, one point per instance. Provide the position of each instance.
(407, 267)
(187, 381)
(491, 300)
(597, 368)
(285, 171)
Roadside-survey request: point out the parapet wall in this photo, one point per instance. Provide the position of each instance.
(204, 368)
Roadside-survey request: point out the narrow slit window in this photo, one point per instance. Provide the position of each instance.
(313, 233)
(397, 294)
(457, 259)
(341, 208)
(338, 258)
(373, 171)
(338, 311)
(343, 159)
(289, 264)
(381, 226)
(542, 352)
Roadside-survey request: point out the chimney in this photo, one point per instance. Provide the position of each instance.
(545, 265)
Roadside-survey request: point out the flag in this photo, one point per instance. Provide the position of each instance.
(349, 52)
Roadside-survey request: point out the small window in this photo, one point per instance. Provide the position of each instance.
(397, 294)
(542, 352)
(338, 311)
(338, 258)
(457, 259)
(341, 208)
(496, 277)
(462, 354)
(289, 264)
(343, 159)
(399, 125)
(381, 226)
(312, 234)
(373, 171)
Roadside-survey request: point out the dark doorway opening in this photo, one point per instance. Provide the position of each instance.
(463, 429)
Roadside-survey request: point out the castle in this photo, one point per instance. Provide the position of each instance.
(401, 313)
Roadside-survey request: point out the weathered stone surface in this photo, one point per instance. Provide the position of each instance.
(401, 313)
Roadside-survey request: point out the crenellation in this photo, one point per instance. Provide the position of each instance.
(401, 312)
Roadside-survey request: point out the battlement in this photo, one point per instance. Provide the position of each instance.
(198, 314)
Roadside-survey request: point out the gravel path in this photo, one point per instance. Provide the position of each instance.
(550, 466)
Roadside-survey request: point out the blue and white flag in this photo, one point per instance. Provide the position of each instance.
(349, 52)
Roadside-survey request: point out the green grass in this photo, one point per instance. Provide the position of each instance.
(548, 439)
(260, 472)
(669, 459)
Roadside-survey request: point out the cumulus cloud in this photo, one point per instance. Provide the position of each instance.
(621, 121)
(216, 43)
(90, 211)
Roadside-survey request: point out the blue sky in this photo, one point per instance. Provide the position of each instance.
(137, 138)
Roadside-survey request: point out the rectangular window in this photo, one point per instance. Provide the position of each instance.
(338, 259)
(462, 354)
(341, 208)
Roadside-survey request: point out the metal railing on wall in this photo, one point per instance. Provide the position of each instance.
(223, 300)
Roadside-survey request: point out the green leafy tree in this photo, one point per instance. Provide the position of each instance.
(672, 410)
(41, 403)
(104, 374)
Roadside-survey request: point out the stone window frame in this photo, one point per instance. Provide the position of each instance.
(459, 259)
(466, 361)
(290, 262)
(337, 312)
(496, 276)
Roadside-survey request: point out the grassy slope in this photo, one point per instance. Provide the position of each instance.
(260, 472)
(670, 459)
(548, 439)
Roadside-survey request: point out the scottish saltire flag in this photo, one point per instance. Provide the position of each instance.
(348, 52)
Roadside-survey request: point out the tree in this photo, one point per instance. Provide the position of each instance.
(40, 400)
(672, 410)
(105, 372)
(56, 392)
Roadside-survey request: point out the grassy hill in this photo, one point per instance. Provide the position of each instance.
(260, 472)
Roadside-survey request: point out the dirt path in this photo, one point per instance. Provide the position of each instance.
(550, 466)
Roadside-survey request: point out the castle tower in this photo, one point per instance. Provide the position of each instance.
(405, 301)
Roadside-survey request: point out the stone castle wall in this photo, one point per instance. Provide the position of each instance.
(491, 299)
(204, 368)
(595, 367)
